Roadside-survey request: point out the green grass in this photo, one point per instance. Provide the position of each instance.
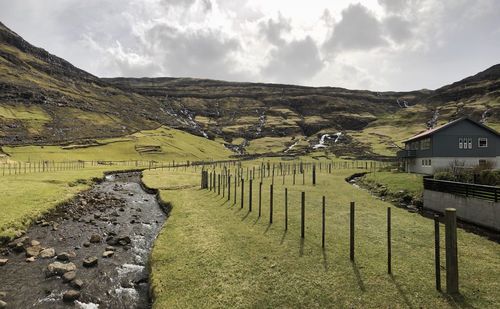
(396, 181)
(212, 254)
(28, 196)
(175, 144)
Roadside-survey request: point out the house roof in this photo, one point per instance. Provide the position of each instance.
(449, 124)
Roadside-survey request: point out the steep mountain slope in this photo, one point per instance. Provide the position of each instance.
(271, 117)
(45, 99)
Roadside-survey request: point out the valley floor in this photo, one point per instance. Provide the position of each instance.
(212, 253)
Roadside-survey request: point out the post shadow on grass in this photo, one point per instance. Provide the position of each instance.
(359, 280)
(325, 259)
(400, 291)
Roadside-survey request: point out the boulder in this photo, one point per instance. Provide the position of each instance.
(35, 243)
(124, 240)
(108, 254)
(90, 261)
(94, 239)
(33, 251)
(71, 295)
(64, 256)
(77, 284)
(31, 259)
(69, 276)
(47, 253)
(59, 269)
(3, 262)
(3, 304)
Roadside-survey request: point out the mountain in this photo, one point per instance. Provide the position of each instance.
(44, 99)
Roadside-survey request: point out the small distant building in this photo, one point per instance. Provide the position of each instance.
(463, 142)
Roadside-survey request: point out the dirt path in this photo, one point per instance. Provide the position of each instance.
(105, 234)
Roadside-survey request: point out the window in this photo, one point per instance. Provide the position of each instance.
(465, 143)
(425, 144)
(430, 163)
(482, 142)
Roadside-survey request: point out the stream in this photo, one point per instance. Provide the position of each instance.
(92, 252)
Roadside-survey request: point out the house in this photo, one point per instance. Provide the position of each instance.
(463, 142)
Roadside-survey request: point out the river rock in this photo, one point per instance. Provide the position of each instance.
(3, 304)
(108, 254)
(48, 253)
(30, 259)
(77, 284)
(69, 276)
(63, 256)
(35, 243)
(90, 261)
(59, 269)
(124, 240)
(110, 248)
(33, 251)
(3, 262)
(94, 239)
(86, 244)
(71, 296)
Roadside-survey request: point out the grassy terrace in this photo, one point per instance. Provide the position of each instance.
(397, 181)
(26, 197)
(212, 253)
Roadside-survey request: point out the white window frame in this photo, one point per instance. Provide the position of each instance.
(479, 142)
(460, 143)
(470, 142)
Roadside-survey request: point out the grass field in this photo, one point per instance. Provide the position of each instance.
(173, 144)
(397, 181)
(212, 253)
(28, 196)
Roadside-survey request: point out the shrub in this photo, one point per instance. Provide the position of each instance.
(444, 175)
(489, 177)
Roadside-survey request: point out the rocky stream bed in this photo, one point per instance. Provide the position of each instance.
(91, 252)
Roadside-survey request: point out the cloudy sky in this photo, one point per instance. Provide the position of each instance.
(377, 45)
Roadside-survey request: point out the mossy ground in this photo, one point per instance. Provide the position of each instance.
(212, 253)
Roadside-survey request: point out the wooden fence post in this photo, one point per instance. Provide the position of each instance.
(351, 230)
(250, 196)
(218, 184)
(451, 251)
(271, 204)
(228, 188)
(323, 224)
(389, 248)
(314, 175)
(242, 190)
(260, 198)
(437, 253)
(303, 215)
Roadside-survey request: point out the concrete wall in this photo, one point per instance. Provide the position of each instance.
(415, 165)
(480, 212)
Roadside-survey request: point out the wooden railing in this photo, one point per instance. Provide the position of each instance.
(489, 193)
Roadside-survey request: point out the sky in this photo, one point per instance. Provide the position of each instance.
(374, 44)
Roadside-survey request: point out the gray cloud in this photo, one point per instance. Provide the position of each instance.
(273, 30)
(358, 29)
(398, 29)
(294, 62)
(203, 53)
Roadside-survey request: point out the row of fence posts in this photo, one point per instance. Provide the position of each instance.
(450, 226)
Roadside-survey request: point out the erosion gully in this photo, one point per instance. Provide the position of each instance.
(105, 234)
